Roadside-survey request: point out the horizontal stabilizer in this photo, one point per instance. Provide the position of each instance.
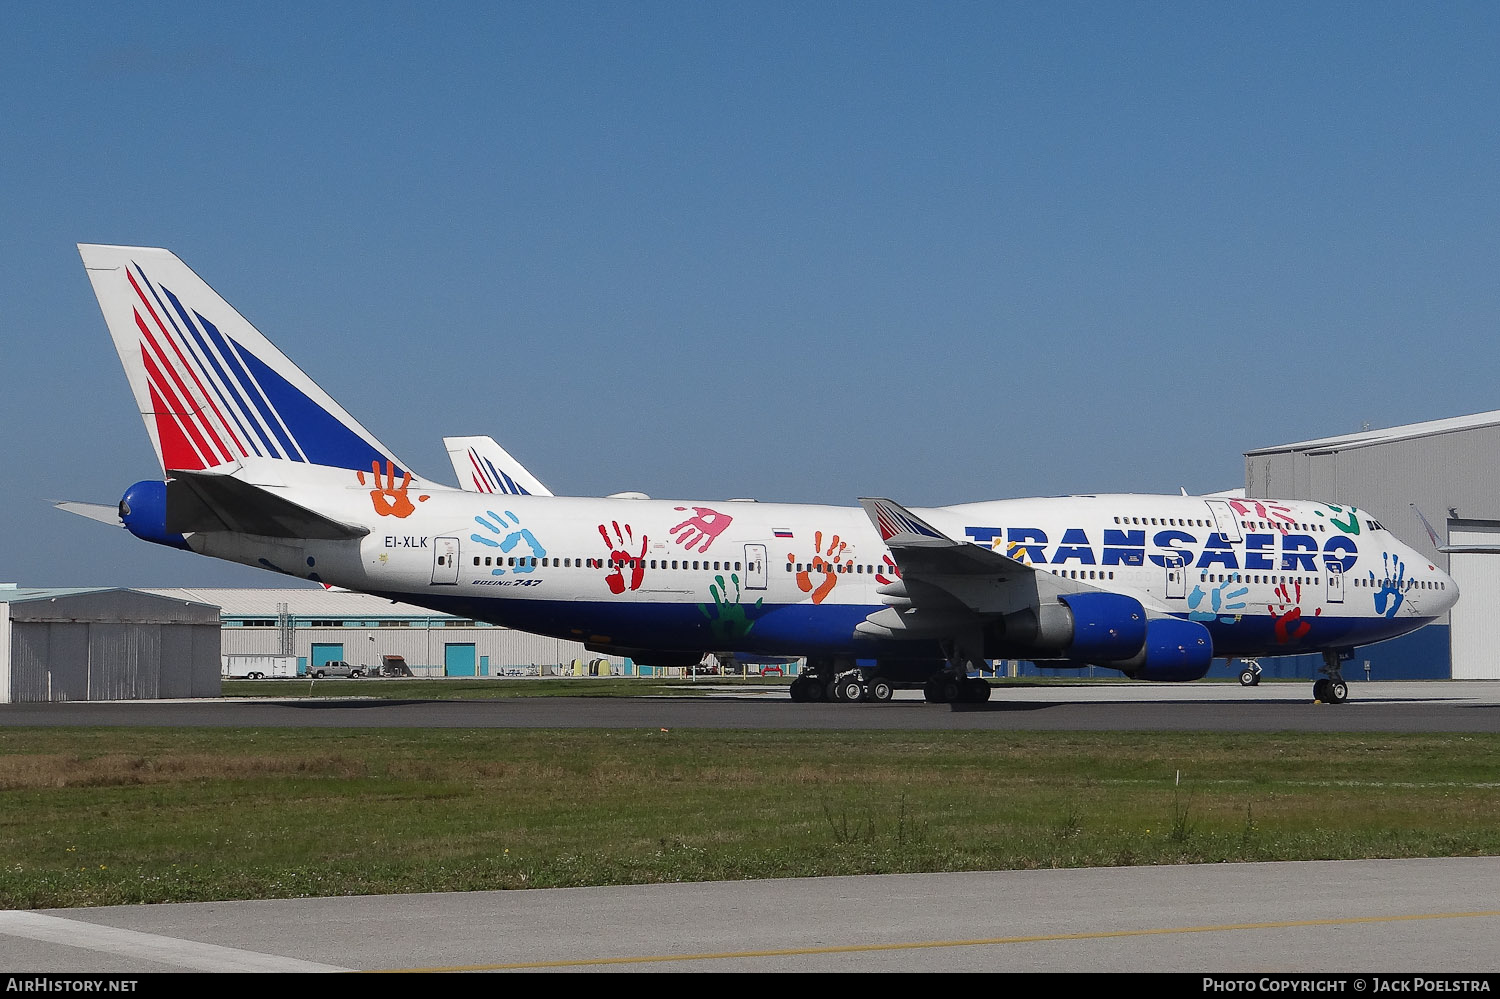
(102, 512)
(206, 501)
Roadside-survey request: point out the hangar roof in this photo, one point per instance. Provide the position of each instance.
(302, 602)
(15, 594)
(1365, 438)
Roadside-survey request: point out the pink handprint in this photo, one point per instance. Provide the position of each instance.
(704, 525)
(620, 557)
(1279, 514)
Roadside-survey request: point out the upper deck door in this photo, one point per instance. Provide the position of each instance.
(1225, 520)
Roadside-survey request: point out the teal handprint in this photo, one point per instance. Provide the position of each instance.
(1389, 597)
(1222, 601)
(498, 525)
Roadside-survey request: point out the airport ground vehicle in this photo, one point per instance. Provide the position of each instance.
(257, 667)
(338, 667)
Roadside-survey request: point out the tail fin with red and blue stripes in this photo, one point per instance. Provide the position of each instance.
(211, 389)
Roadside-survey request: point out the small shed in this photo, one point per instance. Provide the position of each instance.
(105, 644)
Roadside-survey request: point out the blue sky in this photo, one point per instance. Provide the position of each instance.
(804, 252)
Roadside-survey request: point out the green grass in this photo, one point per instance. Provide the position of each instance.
(109, 816)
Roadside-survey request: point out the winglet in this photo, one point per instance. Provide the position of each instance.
(900, 528)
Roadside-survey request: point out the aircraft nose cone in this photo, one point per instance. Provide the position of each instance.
(1449, 589)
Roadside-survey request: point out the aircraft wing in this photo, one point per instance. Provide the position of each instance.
(946, 582)
(915, 543)
(210, 501)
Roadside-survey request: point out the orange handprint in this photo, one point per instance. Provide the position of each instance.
(825, 561)
(390, 500)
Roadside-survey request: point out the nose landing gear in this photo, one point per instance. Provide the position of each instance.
(1331, 688)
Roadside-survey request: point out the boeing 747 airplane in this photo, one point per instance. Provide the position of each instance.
(261, 466)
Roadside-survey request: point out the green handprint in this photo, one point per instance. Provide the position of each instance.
(729, 621)
(1353, 514)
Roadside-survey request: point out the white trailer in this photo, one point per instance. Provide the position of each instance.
(248, 667)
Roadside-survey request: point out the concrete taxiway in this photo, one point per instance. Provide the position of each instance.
(1362, 916)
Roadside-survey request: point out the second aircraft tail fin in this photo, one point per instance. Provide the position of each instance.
(483, 466)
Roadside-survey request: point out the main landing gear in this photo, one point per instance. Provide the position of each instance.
(1249, 672)
(1331, 689)
(951, 688)
(830, 680)
(954, 685)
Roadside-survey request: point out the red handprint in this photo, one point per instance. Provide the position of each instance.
(390, 500)
(620, 557)
(1287, 621)
(880, 571)
(704, 525)
(825, 562)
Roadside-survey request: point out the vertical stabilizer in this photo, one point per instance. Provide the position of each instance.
(483, 466)
(211, 389)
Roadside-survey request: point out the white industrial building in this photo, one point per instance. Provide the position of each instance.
(320, 626)
(1446, 470)
(100, 644)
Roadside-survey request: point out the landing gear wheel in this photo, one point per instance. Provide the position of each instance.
(932, 690)
(1338, 692)
(1320, 689)
(1248, 678)
(951, 690)
(881, 691)
(979, 691)
(798, 690)
(851, 690)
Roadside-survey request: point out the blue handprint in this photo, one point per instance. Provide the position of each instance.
(1392, 587)
(508, 542)
(1219, 602)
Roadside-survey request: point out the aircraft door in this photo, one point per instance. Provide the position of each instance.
(1335, 585)
(1225, 520)
(445, 561)
(1176, 577)
(756, 569)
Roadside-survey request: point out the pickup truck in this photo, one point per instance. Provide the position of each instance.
(338, 668)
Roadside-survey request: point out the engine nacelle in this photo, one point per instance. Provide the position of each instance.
(143, 509)
(1105, 626)
(1176, 652)
(1084, 626)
